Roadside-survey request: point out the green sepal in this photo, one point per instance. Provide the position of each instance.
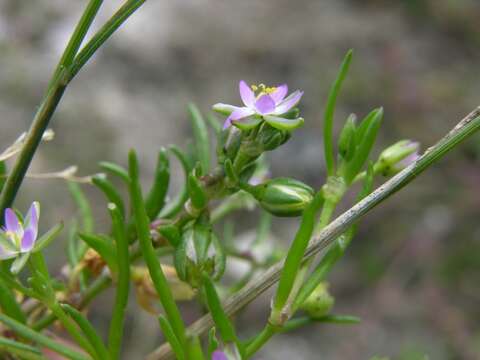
(47, 238)
(19, 263)
(346, 141)
(220, 258)
(180, 258)
(284, 124)
(292, 113)
(232, 177)
(247, 124)
(338, 319)
(196, 192)
(6, 243)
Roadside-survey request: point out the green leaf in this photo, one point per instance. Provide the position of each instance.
(221, 320)
(171, 233)
(47, 238)
(156, 273)
(202, 140)
(284, 124)
(171, 338)
(329, 113)
(27, 333)
(346, 141)
(220, 258)
(104, 247)
(19, 263)
(101, 182)
(295, 253)
(23, 351)
(194, 349)
(9, 304)
(88, 330)
(339, 319)
(368, 130)
(158, 192)
(115, 334)
(116, 170)
(214, 123)
(247, 124)
(176, 205)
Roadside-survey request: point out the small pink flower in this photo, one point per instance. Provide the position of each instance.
(268, 101)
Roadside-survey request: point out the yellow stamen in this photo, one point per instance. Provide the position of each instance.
(263, 89)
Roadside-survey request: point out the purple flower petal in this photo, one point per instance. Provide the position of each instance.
(219, 355)
(288, 103)
(280, 93)
(247, 94)
(238, 114)
(12, 224)
(28, 240)
(410, 159)
(7, 254)
(31, 221)
(265, 104)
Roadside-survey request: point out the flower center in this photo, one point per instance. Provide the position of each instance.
(262, 89)
(13, 237)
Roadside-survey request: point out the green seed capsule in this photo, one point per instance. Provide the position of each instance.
(282, 196)
(320, 302)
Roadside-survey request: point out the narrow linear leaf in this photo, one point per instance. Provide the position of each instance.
(156, 197)
(25, 352)
(329, 113)
(116, 170)
(171, 338)
(101, 182)
(104, 247)
(48, 237)
(115, 334)
(26, 332)
(202, 139)
(88, 330)
(154, 268)
(296, 251)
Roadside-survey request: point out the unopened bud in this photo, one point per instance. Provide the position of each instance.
(282, 196)
(397, 157)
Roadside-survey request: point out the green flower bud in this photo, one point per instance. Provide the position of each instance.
(282, 196)
(397, 157)
(199, 251)
(320, 302)
(269, 138)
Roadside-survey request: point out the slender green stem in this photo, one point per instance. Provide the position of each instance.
(32, 140)
(23, 351)
(34, 336)
(76, 39)
(260, 340)
(464, 129)
(103, 34)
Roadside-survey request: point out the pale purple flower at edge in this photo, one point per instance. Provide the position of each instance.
(219, 355)
(272, 103)
(21, 236)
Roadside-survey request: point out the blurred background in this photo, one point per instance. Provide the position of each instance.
(412, 273)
